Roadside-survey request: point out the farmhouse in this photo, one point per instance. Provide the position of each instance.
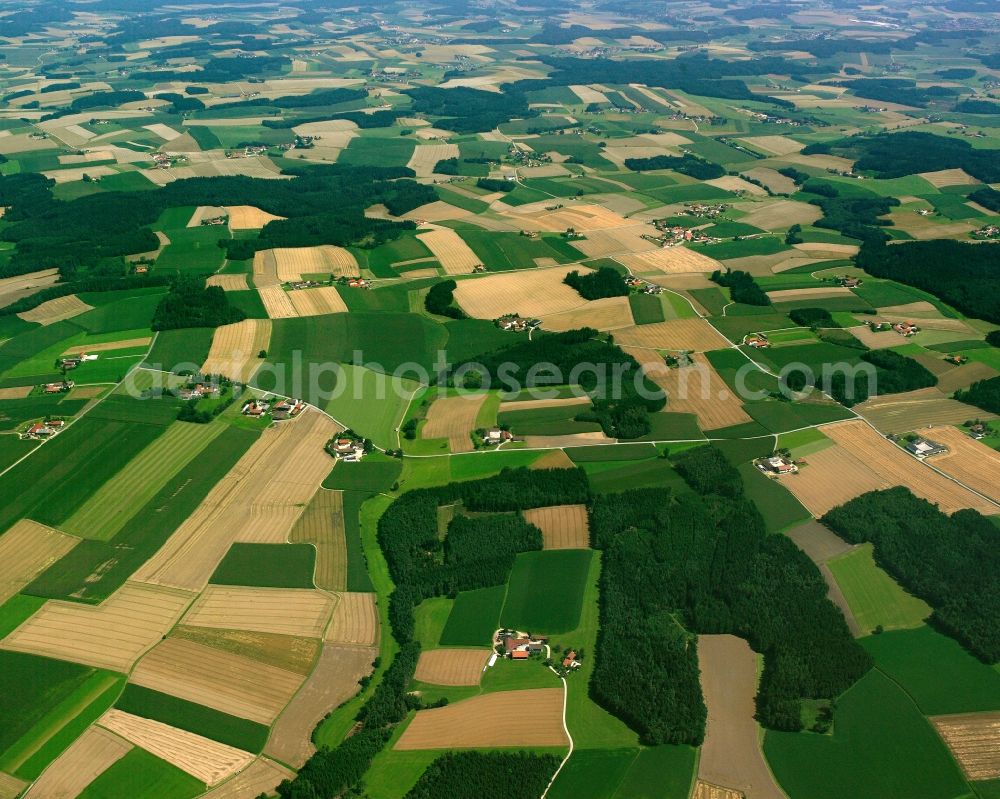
(58, 388)
(925, 448)
(347, 449)
(757, 341)
(255, 408)
(198, 391)
(906, 329)
(40, 431)
(497, 436)
(517, 324)
(287, 409)
(777, 465)
(517, 645)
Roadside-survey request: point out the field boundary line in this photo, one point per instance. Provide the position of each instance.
(569, 754)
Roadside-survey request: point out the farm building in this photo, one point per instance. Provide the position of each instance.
(777, 465)
(925, 448)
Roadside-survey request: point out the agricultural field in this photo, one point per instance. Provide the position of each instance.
(371, 213)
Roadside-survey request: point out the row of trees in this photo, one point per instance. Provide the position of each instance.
(715, 570)
(951, 562)
(440, 300)
(983, 394)
(686, 164)
(485, 775)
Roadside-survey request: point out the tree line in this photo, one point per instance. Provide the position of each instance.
(485, 775)
(951, 562)
(742, 287)
(604, 282)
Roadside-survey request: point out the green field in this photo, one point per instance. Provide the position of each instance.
(545, 591)
(506, 251)
(194, 249)
(552, 421)
(140, 775)
(935, 671)
(370, 403)
(881, 746)
(16, 610)
(184, 349)
(375, 473)
(875, 598)
(430, 618)
(240, 733)
(95, 569)
(776, 504)
(103, 515)
(267, 566)
(474, 617)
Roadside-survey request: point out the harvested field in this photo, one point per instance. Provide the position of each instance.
(731, 754)
(969, 461)
(277, 302)
(775, 145)
(286, 611)
(56, 310)
(533, 405)
(206, 760)
(818, 542)
(875, 341)
(669, 260)
(834, 250)
(437, 211)
(964, 376)
(452, 666)
(782, 214)
(771, 178)
(110, 636)
(258, 501)
(322, 525)
(426, 156)
(355, 620)
(143, 341)
(14, 288)
(556, 459)
(702, 790)
(625, 240)
(674, 334)
(265, 269)
(789, 295)
(26, 550)
(526, 718)
(247, 217)
(837, 474)
(316, 302)
(10, 786)
(222, 680)
(453, 418)
(948, 177)
(286, 652)
(737, 184)
(87, 758)
(974, 740)
(261, 777)
(334, 681)
(584, 218)
(455, 256)
(17, 392)
(291, 263)
(568, 440)
(228, 282)
(696, 389)
(588, 95)
(234, 349)
(529, 292)
(608, 313)
(920, 310)
(901, 413)
(562, 526)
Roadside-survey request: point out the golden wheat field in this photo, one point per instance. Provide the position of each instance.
(262, 776)
(112, 635)
(506, 718)
(451, 666)
(607, 313)
(228, 282)
(528, 292)
(317, 301)
(232, 683)
(426, 156)
(265, 269)
(247, 217)
(292, 263)
(52, 311)
(453, 418)
(974, 740)
(277, 302)
(971, 462)
(454, 255)
(696, 335)
(562, 526)
(286, 611)
(669, 260)
(234, 349)
(355, 620)
(26, 550)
